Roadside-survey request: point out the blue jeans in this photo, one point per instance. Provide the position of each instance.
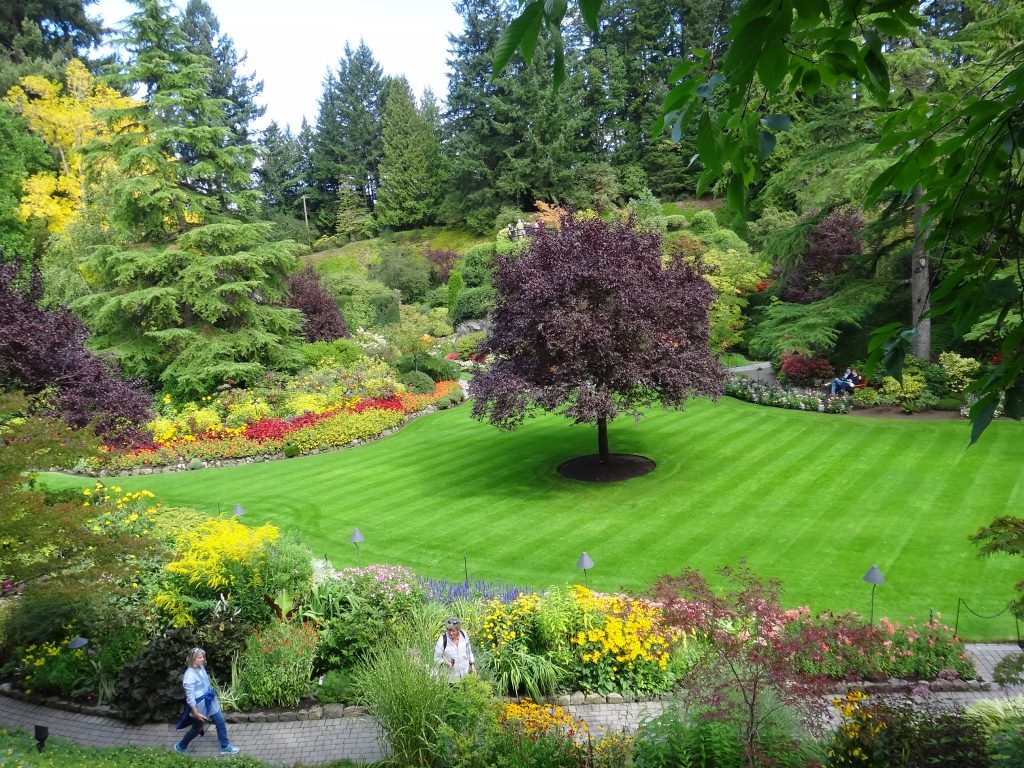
(222, 731)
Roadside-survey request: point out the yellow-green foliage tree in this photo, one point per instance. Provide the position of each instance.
(65, 117)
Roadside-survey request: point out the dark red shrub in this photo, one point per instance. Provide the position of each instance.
(323, 320)
(442, 261)
(43, 352)
(827, 250)
(803, 370)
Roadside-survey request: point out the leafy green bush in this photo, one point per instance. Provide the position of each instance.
(960, 371)
(947, 404)
(275, 668)
(442, 403)
(1007, 744)
(671, 739)
(410, 704)
(437, 368)
(417, 382)
(473, 303)
(675, 222)
(477, 265)
(336, 686)
(405, 271)
(340, 352)
(703, 223)
(291, 451)
(469, 344)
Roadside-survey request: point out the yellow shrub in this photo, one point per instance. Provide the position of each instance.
(298, 403)
(344, 428)
(246, 412)
(913, 386)
(204, 561)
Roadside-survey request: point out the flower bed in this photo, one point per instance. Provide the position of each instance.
(335, 426)
(764, 394)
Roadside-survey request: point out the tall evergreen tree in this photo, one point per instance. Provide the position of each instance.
(178, 167)
(65, 24)
(196, 302)
(279, 171)
(347, 143)
(410, 164)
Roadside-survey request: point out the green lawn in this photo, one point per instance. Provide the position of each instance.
(810, 499)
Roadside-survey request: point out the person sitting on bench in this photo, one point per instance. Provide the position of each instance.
(844, 383)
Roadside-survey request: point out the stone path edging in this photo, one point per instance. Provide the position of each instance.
(329, 732)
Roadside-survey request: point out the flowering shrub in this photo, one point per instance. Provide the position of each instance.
(623, 645)
(389, 584)
(538, 719)
(275, 668)
(763, 394)
(218, 556)
(275, 429)
(343, 428)
(801, 369)
(847, 648)
(413, 403)
(615, 643)
(53, 668)
(392, 404)
(447, 592)
(120, 513)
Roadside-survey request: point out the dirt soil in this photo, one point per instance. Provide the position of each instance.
(895, 413)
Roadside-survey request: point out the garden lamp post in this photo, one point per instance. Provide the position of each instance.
(357, 538)
(874, 578)
(238, 511)
(42, 733)
(584, 563)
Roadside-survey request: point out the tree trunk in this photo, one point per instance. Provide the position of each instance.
(920, 280)
(602, 440)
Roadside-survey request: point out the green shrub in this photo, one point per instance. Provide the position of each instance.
(473, 303)
(336, 686)
(469, 344)
(947, 404)
(275, 668)
(397, 687)
(456, 396)
(442, 403)
(703, 223)
(437, 368)
(196, 464)
(405, 271)
(675, 222)
(1007, 745)
(417, 382)
(477, 265)
(291, 451)
(960, 371)
(339, 353)
(671, 740)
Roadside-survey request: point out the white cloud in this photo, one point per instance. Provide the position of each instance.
(291, 45)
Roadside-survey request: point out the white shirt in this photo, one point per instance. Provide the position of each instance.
(457, 650)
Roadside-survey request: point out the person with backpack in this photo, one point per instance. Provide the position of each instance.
(453, 652)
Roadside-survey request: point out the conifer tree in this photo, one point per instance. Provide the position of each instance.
(279, 171)
(410, 165)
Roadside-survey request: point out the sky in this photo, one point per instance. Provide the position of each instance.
(291, 45)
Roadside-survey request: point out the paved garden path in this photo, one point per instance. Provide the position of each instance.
(311, 742)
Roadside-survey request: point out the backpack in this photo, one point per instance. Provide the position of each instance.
(444, 636)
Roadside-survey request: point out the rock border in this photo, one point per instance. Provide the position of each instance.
(332, 711)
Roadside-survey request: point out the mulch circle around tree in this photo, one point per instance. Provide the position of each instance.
(620, 466)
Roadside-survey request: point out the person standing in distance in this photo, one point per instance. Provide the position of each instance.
(453, 652)
(201, 705)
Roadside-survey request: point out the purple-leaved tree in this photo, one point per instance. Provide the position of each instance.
(43, 353)
(591, 323)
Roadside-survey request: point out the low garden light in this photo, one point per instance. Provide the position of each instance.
(584, 564)
(357, 538)
(78, 642)
(874, 578)
(42, 733)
